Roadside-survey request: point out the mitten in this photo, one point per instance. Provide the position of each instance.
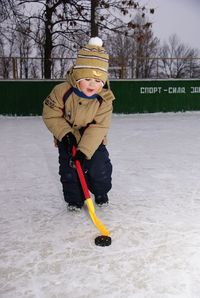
(69, 141)
(80, 156)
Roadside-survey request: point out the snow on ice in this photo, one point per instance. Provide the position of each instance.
(153, 216)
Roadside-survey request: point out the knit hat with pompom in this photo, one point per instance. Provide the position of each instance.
(92, 61)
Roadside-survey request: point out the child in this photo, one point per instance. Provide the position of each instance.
(78, 113)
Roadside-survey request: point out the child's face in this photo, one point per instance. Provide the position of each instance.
(90, 86)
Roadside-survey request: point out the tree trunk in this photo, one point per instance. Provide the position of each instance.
(48, 45)
(94, 25)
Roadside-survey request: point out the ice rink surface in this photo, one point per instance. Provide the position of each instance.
(153, 216)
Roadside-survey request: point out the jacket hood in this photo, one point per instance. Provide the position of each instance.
(70, 77)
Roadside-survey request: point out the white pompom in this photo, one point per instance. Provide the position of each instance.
(95, 41)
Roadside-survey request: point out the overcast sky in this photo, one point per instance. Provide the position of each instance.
(177, 16)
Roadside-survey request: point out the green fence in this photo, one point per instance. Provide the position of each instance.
(132, 96)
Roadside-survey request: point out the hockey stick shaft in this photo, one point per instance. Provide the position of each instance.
(100, 226)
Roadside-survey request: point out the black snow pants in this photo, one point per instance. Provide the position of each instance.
(98, 174)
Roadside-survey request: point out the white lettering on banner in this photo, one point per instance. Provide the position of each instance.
(176, 90)
(169, 90)
(195, 89)
(150, 90)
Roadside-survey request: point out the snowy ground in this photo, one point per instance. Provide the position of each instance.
(154, 214)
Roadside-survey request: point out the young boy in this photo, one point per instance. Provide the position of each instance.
(78, 113)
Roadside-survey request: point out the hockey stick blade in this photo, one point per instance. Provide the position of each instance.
(100, 226)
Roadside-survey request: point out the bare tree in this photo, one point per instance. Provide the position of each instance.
(8, 19)
(54, 18)
(178, 59)
(7, 7)
(135, 53)
(117, 16)
(24, 48)
(7, 61)
(145, 48)
(120, 50)
(74, 20)
(63, 63)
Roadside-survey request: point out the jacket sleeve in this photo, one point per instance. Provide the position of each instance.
(96, 132)
(53, 113)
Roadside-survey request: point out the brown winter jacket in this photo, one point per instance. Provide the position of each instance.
(78, 113)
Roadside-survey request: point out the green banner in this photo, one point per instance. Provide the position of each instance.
(132, 96)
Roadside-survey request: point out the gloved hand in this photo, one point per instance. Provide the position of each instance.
(80, 156)
(69, 141)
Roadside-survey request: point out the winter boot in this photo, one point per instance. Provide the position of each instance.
(73, 207)
(101, 200)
